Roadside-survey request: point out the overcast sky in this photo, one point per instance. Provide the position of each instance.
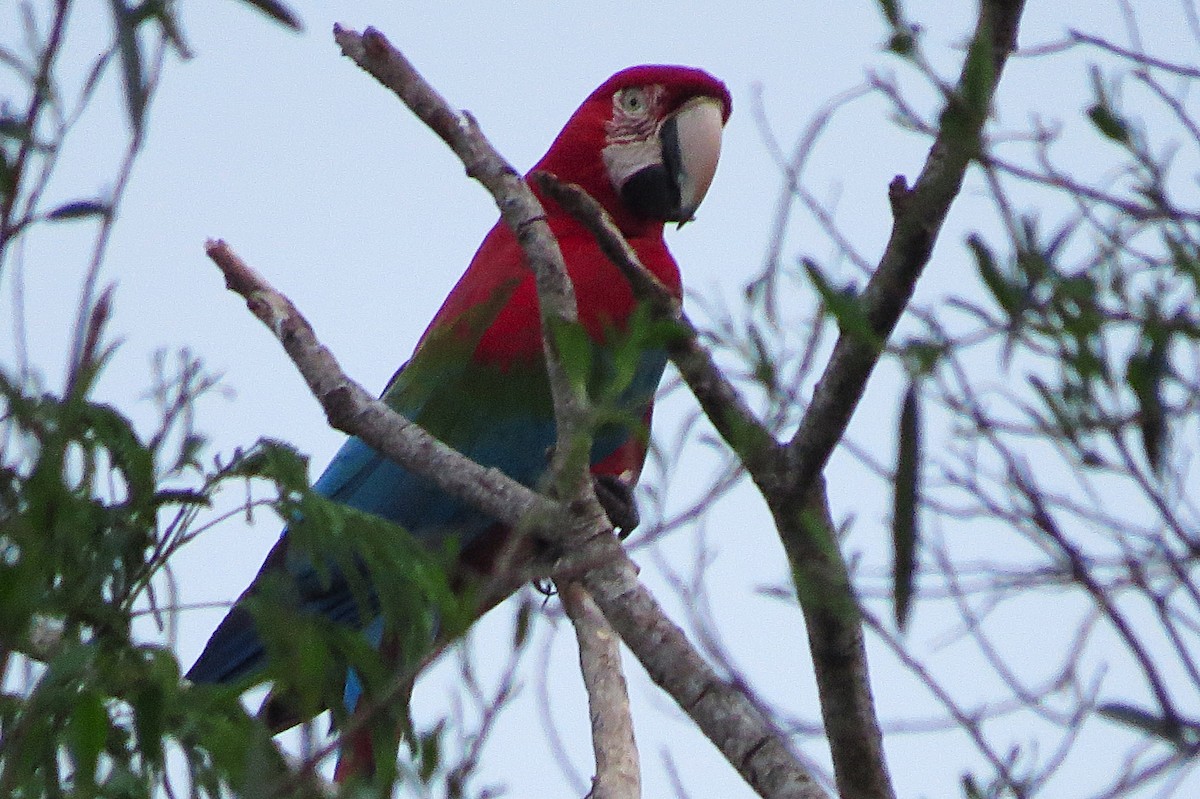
(326, 184)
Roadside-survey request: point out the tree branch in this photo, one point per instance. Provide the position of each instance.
(349, 408)
(722, 711)
(835, 641)
(617, 771)
(732, 722)
(729, 413)
(919, 214)
(822, 583)
(521, 211)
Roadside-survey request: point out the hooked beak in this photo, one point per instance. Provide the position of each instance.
(669, 180)
(691, 142)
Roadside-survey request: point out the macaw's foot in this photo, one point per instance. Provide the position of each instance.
(616, 497)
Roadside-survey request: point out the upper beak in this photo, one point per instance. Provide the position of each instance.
(691, 146)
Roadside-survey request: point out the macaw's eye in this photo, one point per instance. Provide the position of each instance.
(633, 100)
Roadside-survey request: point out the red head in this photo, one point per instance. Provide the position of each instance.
(645, 144)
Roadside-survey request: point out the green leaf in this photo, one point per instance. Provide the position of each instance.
(901, 42)
(922, 355)
(766, 370)
(521, 624)
(1007, 293)
(125, 22)
(1145, 373)
(278, 12)
(273, 460)
(1102, 113)
(115, 433)
(575, 351)
(149, 709)
(87, 731)
(970, 787)
(79, 209)
(1105, 120)
(13, 128)
(7, 180)
(905, 533)
(430, 753)
(1186, 261)
(844, 306)
(1143, 720)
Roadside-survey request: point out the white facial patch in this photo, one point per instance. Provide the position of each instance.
(623, 159)
(631, 133)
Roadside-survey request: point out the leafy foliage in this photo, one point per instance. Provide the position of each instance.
(87, 524)
(90, 515)
(92, 511)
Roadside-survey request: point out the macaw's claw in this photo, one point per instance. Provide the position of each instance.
(616, 497)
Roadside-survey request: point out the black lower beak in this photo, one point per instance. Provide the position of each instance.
(652, 193)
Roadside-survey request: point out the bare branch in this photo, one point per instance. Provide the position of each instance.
(721, 401)
(918, 220)
(519, 209)
(617, 770)
(749, 741)
(352, 410)
(1137, 56)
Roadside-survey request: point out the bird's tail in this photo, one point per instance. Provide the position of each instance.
(356, 757)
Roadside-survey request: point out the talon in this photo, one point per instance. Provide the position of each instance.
(616, 497)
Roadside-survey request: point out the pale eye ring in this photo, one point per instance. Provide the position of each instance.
(633, 100)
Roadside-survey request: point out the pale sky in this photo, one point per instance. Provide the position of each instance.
(325, 183)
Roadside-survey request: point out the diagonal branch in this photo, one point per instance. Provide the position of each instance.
(349, 408)
(819, 571)
(521, 211)
(919, 213)
(729, 413)
(722, 710)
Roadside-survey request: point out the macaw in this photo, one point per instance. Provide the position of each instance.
(645, 145)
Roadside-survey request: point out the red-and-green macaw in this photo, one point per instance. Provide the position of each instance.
(645, 145)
